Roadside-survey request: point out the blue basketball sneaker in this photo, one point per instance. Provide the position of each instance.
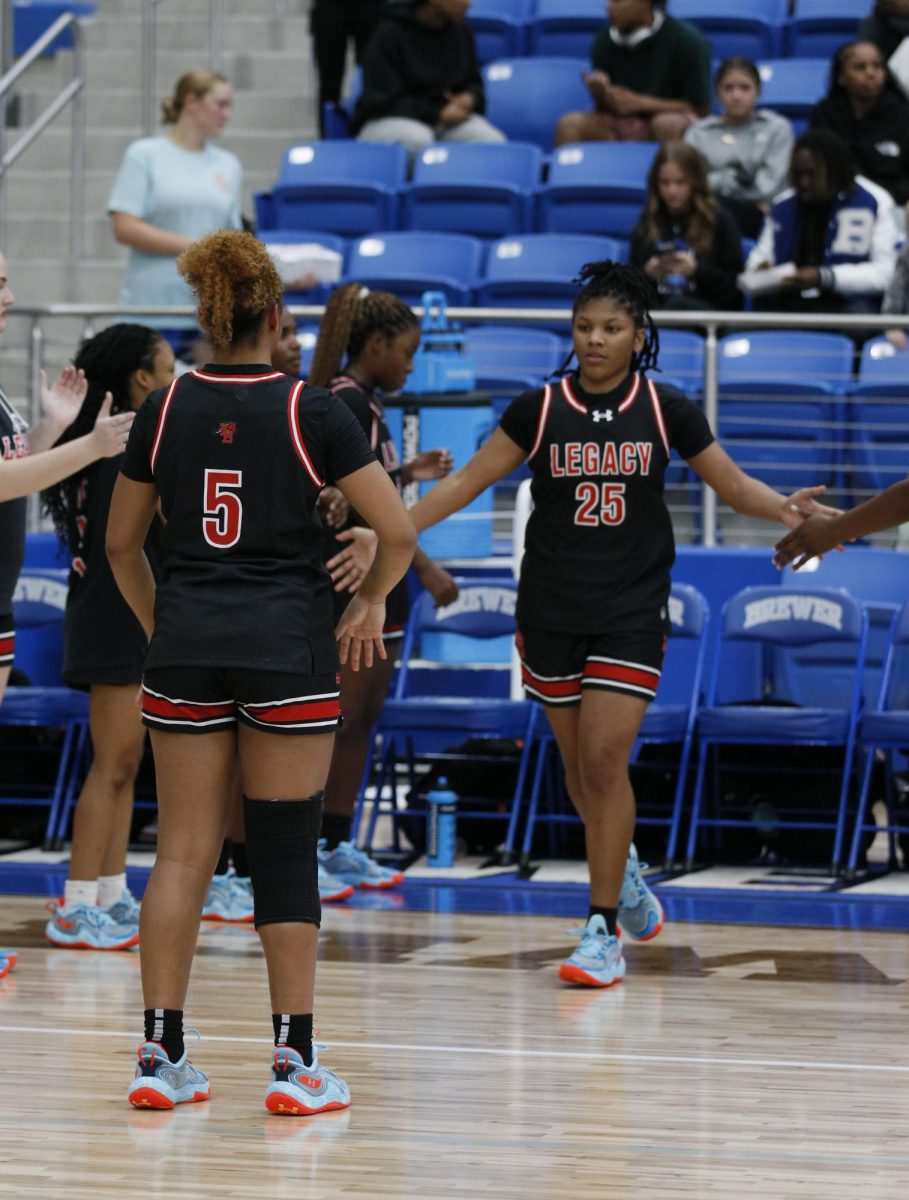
(125, 911)
(299, 1090)
(332, 890)
(160, 1083)
(598, 960)
(7, 961)
(228, 899)
(88, 927)
(640, 914)
(351, 865)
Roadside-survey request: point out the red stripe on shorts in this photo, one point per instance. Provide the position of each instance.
(618, 673)
(294, 714)
(550, 687)
(160, 706)
(7, 645)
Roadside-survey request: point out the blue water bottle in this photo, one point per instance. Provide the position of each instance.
(441, 842)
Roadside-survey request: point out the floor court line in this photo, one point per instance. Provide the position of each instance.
(782, 1064)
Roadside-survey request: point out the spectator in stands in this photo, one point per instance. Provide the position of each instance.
(888, 27)
(650, 78)
(865, 108)
(685, 242)
(334, 24)
(421, 80)
(746, 149)
(838, 233)
(172, 190)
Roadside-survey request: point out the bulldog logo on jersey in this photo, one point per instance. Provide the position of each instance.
(226, 431)
(602, 414)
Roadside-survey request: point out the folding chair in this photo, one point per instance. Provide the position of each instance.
(39, 602)
(415, 726)
(778, 621)
(669, 720)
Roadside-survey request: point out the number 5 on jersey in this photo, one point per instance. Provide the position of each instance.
(222, 508)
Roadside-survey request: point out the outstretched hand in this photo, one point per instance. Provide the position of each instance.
(359, 633)
(802, 504)
(429, 465)
(349, 565)
(810, 539)
(111, 433)
(61, 403)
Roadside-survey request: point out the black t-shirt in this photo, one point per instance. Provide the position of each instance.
(599, 543)
(13, 444)
(239, 455)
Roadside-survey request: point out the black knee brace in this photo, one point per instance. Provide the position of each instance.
(282, 838)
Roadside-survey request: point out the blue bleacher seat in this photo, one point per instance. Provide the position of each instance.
(818, 27)
(776, 620)
(565, 27)
(750, 28)
(682, 361)
(526, 96)
(498, 27)
(792, 86)
(410, 264)
(32, 17)
(770, 354)
(508, 356)
(536, 271)
(482, 189)
(596, 187)
(877, 422)
(336, 118)
(342, 187)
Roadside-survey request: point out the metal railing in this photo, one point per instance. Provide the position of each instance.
(216, 17)
(698, 498)
(72, 93)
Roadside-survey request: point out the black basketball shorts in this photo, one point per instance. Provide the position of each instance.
(556, 667)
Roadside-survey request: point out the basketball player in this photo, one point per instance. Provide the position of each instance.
(242, 660)
(594, 587)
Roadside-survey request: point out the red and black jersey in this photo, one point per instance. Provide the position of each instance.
(13, 444)
(599, 542)
(239, 455)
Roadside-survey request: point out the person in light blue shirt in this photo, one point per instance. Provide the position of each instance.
(172, 190)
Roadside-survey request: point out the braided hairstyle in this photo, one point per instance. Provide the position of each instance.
(351, 317)
(109, 360)
(236, 283)
(628, 287)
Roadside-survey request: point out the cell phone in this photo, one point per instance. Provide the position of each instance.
(672, 247)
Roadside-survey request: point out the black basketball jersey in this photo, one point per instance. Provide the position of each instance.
(599, 542)
(13, 444)
(239, 455)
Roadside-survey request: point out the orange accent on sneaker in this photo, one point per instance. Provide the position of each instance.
(395, 881)
(228, 920)
(572, 974)
(149, 1098)
(284, 1106)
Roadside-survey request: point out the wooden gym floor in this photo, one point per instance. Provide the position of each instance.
(735, 1061)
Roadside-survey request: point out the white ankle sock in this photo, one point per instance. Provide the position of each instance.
(80, 891)
(110, 889)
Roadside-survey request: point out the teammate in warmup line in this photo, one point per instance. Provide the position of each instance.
(376, 336)
(242, 657)
(27, 464)
(104, 646)
(594, 586)
(819, 534)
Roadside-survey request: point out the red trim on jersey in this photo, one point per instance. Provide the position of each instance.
(632, 393)
(622, 674)
(236, 378)
(293, 418)
(581, 408)
(543, 418)
(658, 413)
(159, 428)
(341, 382)
(571, 398)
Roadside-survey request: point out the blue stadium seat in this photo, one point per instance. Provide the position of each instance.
(414, 724)
(792, 86)
(320, 293)
(778, 620)
(750, 28)
(410, 264)
(770, 355)
(508, 356)
(342, 187)
(336, 118)
(877, 422)
(484, 190)
(596, 187)
(498, 27)
(681, 361)
(526, 96)
(536, 271)
(818, 27)
(565, 27)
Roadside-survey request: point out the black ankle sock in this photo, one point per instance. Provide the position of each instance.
(294, 1030)
(608, 914)
(224, 860)
(335, 828)
(165, 1026)
(241, 863)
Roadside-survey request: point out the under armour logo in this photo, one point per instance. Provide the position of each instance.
(602, 414)
(226, 431)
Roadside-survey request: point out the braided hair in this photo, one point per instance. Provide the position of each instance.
(109, 360)
(628, 287)
(351, 317)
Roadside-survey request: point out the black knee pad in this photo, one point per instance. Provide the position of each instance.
(282, 838)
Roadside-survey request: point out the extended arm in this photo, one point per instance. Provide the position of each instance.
(493, 461)
(817, 535)
(750, 496)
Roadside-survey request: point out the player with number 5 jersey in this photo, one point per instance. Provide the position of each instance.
(595, 577)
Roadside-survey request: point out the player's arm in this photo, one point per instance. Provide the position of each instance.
(750, 496)
(493, 461)
(816, 536)
(132, 511)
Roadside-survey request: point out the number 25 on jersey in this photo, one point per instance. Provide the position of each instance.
(222, 508)
(599, 505)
